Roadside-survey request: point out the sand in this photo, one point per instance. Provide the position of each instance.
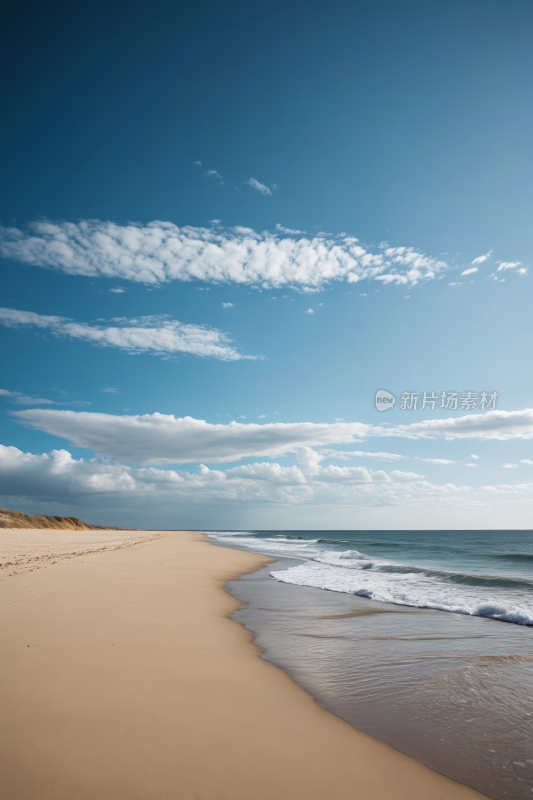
(123, 678)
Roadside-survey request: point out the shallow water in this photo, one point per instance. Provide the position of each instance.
(453, 690)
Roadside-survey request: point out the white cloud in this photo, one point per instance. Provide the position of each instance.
(455, 284)
(346, 455)
(526, 461)
(481, 259)
(197, 163)
(118, 290)
(25, 400)
(405, 476)
(228, 305)
(310, 311)
(469, 271)
(282, 229)
(501, 425)
(109, 390)
(510, 466)
(522, 271)
(58, 475)
(161, 252)
(471, 465)
(259, 186)
(475, 457)
(157, 334)
(261, 416)
(30, 400)
(212, 173)
(334, 474)
(508, 265)
(436, 460)
(164, 439)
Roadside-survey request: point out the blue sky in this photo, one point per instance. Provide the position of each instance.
(256, 217)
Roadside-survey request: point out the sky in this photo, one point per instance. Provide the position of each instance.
(226, 226)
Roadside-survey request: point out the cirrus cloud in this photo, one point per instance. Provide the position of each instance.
(482, 259)
(261, 187)
(157, 334)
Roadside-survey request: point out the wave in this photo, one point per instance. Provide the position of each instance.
(272, 545)
(414, 589)
(353, 559)
(501, 597)
(516, 557)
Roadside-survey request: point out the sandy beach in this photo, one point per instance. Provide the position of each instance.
(123, 678)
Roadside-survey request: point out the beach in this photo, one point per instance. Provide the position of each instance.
(123, 677)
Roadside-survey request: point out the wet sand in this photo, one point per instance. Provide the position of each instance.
(123, 678)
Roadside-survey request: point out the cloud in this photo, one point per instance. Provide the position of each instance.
(310, 311)
(113, 391)
(259, 186)
(282, 229)
(526, 461)
(469, 271)
(25, 400)
(510, 466)
(481, 259)
(157, 334)
(165, 439)
(522, 271)
(500, 425)
(435, 460)
(30, 400)
(475, 457)
(508, 265)
(197, 163)
(455, 284)
(405, 476)
(161, 252)
(118, 290)
(212, 173)
(228, 305)
(261, 416)
(58, 475)
(345, 455)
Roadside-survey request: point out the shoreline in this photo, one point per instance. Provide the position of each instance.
(125, 678)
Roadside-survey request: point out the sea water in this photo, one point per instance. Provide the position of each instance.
(423, 639)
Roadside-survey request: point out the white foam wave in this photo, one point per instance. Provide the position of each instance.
(272, 546)
(408, 589)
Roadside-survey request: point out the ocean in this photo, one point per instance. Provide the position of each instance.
(423, 639)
